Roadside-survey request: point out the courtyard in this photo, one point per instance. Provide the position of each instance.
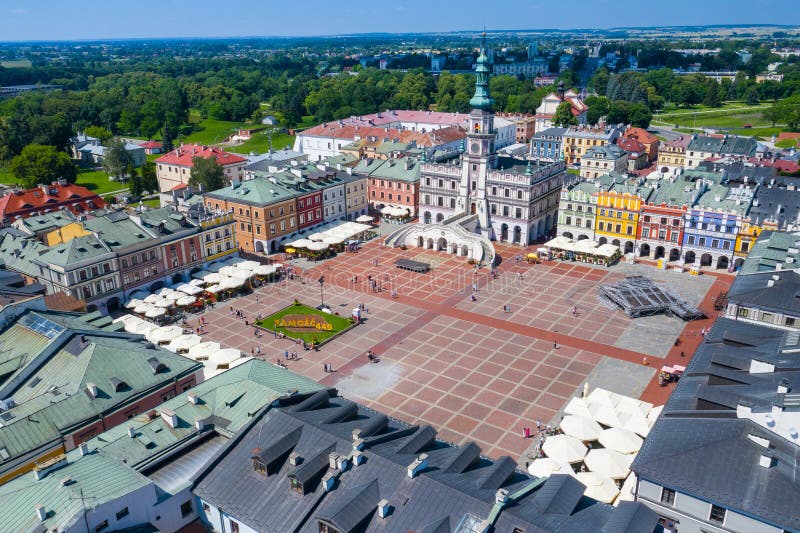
(474, 370)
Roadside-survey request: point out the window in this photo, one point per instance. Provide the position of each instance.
(186, 508)
(106, 268)
(789, 321)
(745, 246)
(744, 312)
(766, 317)
(667, 496)
(691, 239)
(235, 525)
(717, 514)
(101, 526)
(122, 513)
(125, 262)
(206, 508)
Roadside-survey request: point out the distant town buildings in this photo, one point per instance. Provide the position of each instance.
(174, 168)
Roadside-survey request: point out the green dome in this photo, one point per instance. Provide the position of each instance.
(481, 99)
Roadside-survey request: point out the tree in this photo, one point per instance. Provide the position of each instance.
(617, 112)
(98, 132)
(42, 164)
(166, 139)
(149, 178)
(712, 98)
(751, 96)
(117, 161)
(135, 183)
(639, 116)
(563, 115)
(598, 108)
(208, 174)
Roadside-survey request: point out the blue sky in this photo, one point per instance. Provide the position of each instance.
(94, 19)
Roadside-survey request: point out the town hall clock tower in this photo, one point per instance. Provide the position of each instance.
(479, 155)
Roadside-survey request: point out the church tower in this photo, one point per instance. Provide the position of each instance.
(479, 155)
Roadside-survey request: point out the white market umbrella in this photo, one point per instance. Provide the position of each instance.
(247, 265)
(143, 307)
(164, 303)
(214, 277)
(241, 274)
(142, 327)
(228, 270)
(264, 270)
(133, 303)
(654, 413)
(156, 312)
(564, 448)
(184, 342)
(317, 246)
(635, 421)
(578, 406)
(231, 283)
(191, 290)
(164, 334)
(214, 289)
(132, 325)
(126, 318)
(364, 218)
(620, 440)
(545, 466)
(164, 291)
(224, 357)
(388, 210)
(608, 463)
(628, 404)
(604, 397)
(316, 236)
(151, 298)
(203, 350)
(598, 487)
(628, 486)
(198, 282)
(301, 243)
(580, 427)
(185, 300)
(333, 239)
(605, 414)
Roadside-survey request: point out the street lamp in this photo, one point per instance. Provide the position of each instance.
(321, 282)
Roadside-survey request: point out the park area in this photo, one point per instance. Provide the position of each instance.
(308, 324)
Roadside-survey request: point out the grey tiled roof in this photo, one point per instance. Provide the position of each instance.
(457, 484)
(755, 291)
(728, 144)
(699, 447)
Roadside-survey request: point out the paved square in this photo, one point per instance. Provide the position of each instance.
(469, 368)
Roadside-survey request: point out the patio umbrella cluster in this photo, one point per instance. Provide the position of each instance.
(602, 432)
(331, 234)
(395, 211)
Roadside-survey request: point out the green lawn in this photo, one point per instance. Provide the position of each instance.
(700, 108)
(209, 131)
(259, 143)
(97, 181)
(153, 203)
(731, 116)
(17, 63)
(298, 313)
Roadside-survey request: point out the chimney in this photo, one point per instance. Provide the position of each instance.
(358, 458)
(783, 386)
(501, 496)
(199, 423)
(328, 481)
(295, 459)
(41, 513)
(419, 463)
(192, 398)
(333, 460)
(131, 432)
(91, 390)
(84, 449)
(383, 508)
(342, 463)
(66, 481)
(169, 417)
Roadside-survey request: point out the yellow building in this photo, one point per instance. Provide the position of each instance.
(580, 139)
(65, 234)
(747, 237)
(618, 209)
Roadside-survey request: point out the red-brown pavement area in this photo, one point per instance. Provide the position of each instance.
(468, 368)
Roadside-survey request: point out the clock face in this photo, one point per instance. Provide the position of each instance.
(475, 148)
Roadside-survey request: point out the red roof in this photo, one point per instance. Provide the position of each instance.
(26, 202)
(184, 155)
(438, 137)
(641, 134)
(149, 145)
(630, 144)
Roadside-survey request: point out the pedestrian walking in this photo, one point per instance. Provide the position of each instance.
(286, 354)
(539, 426)
(258, 350)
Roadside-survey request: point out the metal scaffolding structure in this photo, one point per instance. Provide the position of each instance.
(639, 296)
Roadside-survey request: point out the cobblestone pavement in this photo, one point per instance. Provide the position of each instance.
(470, 369)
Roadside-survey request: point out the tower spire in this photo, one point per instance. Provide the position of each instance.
(481, 99)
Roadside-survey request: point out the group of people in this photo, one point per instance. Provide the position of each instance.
(543, 431)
